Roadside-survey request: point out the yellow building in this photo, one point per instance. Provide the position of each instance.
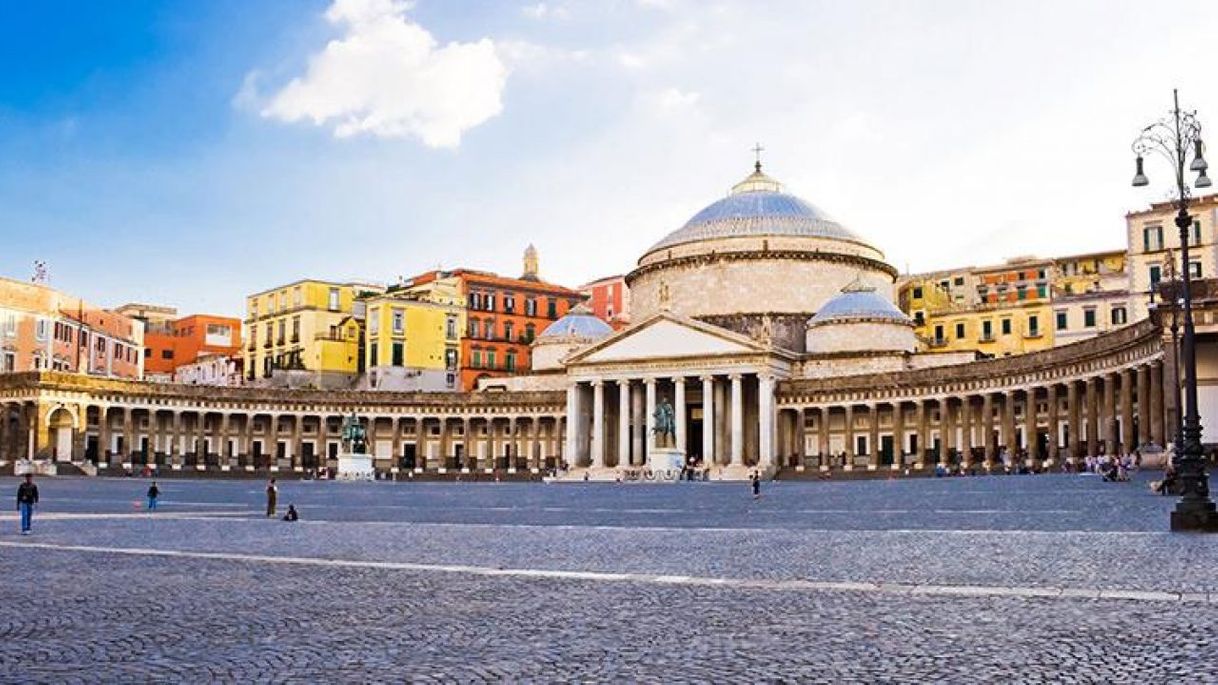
(413, 337)
(1091, 295)
(997, 311)
(307, 333)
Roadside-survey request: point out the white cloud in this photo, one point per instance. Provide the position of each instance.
(388, 77)
(545, 10)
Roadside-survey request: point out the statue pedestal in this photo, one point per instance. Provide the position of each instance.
(355, 467)
(666, 459)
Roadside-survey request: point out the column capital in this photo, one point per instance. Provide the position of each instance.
(649, 381)
(734, 377)
(596, 383)
(622, 382)
(707, 378)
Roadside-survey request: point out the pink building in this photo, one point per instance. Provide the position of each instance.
(609, 300)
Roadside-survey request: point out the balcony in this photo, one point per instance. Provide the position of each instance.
(937, 342)
(267, 344)
(279, 342)
(295, 338)
(1033, 334)
(987, 338)
(252, 346)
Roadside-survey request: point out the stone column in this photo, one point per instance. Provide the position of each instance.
(898, 434)
(849, 436)
(945, 430)
(1156, 405)
(650, 417)
(678, 394)
(572, 442)
(1143, 390)
(1074, 422)
(708, 420)
(1127, 439)
(987, 428)
(176, 451)
(1031, 429)
(223, 451)
(765, 420)
(638, 424)
(103, 435)
(1054, 406)
(128, 434)
(598, 424)
(1111, 438)
(737, 420)
(822, 437)
(873, 436)
(296, 440)
(623, 423)
(247, 442)
(1008, 425)
(1093, 419)
(920, 455)
(4, 432)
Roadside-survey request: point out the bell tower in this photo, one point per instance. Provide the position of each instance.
(530, 264)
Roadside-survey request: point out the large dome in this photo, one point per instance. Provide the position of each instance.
(758, 207)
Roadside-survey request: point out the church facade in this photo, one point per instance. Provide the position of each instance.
(764, 328)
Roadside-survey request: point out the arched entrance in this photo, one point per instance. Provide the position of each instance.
(60, 426)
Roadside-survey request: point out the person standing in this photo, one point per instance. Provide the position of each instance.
(272, 497)
(27, 497)
(153, 493)
(755, 482)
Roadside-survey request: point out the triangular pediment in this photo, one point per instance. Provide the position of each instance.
(665, 336)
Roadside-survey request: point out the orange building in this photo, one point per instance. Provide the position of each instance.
(172, 344)
(43, 328)
(503, 316)
(609, 300)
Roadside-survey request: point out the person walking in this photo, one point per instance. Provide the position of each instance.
(27, 497)
(153, 493)
(755, 482)
(272, 497)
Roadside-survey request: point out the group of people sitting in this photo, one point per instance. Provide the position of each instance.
(1115, 468)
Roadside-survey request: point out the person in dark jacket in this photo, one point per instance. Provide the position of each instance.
(291, 515)
(27, 497)
(153, 493)
(272, 498)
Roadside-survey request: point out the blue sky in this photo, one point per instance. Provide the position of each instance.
(189, 153)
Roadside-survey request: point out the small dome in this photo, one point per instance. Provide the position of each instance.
(758, 207)
(577, 323)
(859, 303)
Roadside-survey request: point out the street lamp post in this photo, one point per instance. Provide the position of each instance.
(1174, 137)
(1172, 278)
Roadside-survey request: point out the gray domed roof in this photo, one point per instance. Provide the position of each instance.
(858, 303)
(577, 323)
(758, 207)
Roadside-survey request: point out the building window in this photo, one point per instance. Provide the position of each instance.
(373, 357)
(296, 296)
(509, 303)
(1152, 238)
(295, 329)
(507, 330)
(450, 327)
(398, 321)
(253, 309)
(1042, 291)
(398, 354)
(1006, 326)
(939, 333)
(476, 360)
(1088, 318)
(473, 301)
(489, 302)
(1119, 316)
(332, 304)
(987, 330)
(510, 361)
(551, 308)
(10, 362)
(490, 359)
(1156, 275)
(473, 328)
(374, 321)
(40, 331)
(530, 307)
(959, 280)
(450, 358)
(960, 331)
(1195, 238)
(283, 326)
(530, 332)
(1061, 321)
(919, 318)
(166, 354)
(1194, 269)
(1033, 325)
(917, 292)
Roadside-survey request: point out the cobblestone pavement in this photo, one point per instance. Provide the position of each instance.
(1035, 579)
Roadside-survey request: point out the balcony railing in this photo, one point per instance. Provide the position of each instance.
(937, 342)
(267, 344)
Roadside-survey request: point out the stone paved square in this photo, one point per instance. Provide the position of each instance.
(1029, 579)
